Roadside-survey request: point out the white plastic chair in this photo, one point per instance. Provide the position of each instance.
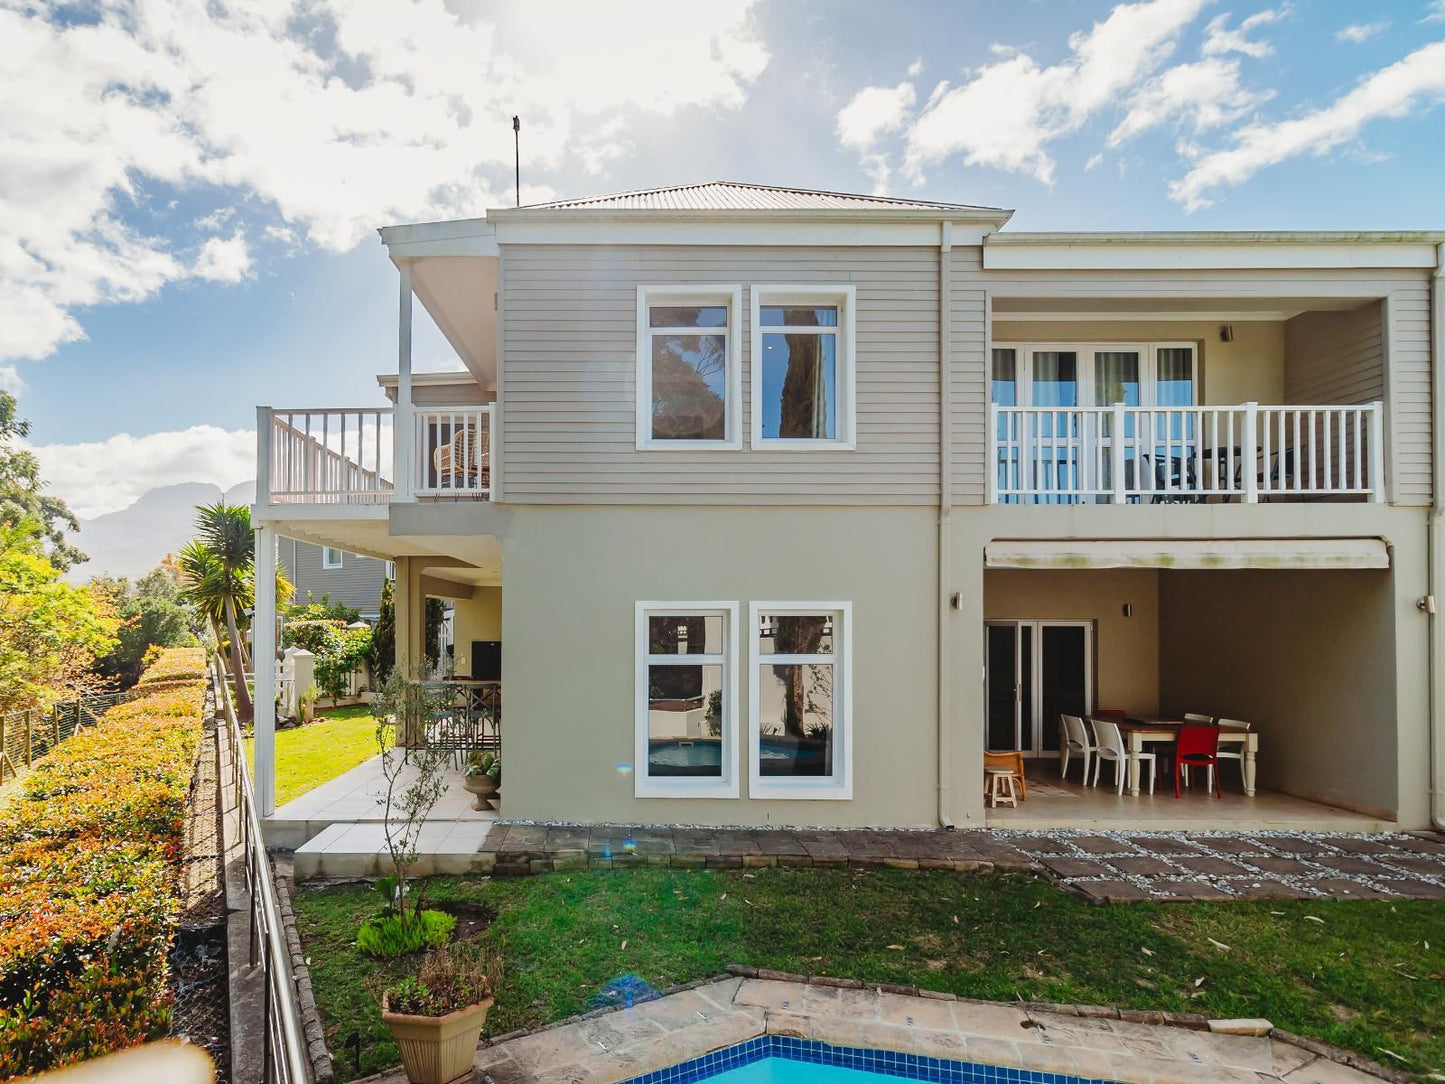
(1075, 738)
(1111, 747)
(1195, 717)
(1234, 752)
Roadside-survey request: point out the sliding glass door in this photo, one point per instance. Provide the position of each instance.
(1034, 671)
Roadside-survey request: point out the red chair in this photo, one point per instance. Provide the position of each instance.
(1198, 747)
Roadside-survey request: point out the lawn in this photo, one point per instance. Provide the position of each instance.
(1369, 976)
(307, 756)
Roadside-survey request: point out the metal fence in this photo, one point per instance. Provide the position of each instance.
(25, 736)
(284, 1056)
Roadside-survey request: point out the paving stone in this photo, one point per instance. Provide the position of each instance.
(1179, 888)
(1143, 866)
(1345, 863)
(1109, 891)
(1229, 844)
(1167, 845)
(1267, 889)
(1362, 845)
(1416, 863)
(1412, 888)
(1207, 866)
(780, 843)
(1040, 845)
(1284, 867)
(1103, 845)
(1343, 888)
(825, 847)
(1073, 867)
(1299, 845)
(732, 843)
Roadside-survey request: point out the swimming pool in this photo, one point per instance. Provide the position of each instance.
(779, 1059)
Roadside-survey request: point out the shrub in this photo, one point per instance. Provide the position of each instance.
(449, 979)
(398, 934)
(88, 886)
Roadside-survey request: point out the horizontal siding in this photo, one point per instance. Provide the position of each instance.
(568, 390)
(969, 391)
(1410, 406)
(357, 583)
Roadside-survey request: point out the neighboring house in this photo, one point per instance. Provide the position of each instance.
(319, 572)
(792, 503)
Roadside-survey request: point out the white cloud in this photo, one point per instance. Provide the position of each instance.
(106, 476)
(1219, 40)
(1205, 94)
(333, 115)
(871, 113)
(1416, 82)
(1009, 110)
(1435, 13)
(223, 259)
(1356, 33)
(10, 380)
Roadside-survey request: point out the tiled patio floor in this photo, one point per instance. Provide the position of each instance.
(1105, 867)
(614, 1046)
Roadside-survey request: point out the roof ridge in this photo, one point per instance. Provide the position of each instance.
(824, 193)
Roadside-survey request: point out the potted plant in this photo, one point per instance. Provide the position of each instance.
(483, 778)
(437, 1015)
(308, 704)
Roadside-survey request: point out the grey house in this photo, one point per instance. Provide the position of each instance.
(328, 571)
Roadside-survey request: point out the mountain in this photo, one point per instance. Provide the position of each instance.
(134, 540)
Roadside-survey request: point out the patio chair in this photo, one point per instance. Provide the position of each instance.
(1075, 737)
(1236, 753)
(1195, 717)
(464, 461)
(1111, 747)
(1197, 747)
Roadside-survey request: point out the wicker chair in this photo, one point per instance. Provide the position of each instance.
(464, 462)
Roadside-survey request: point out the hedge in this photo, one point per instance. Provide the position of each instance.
(89, 890)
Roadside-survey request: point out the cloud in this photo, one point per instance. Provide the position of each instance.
(325, 117)
(106, 476)
(1356, 33)
(1219, 40)
(1415, 82)
(1010, 110)
(1203, 95)
(223, 260)
(870, 113)
(1435, 13)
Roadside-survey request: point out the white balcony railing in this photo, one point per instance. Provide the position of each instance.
(1122, 454)
(350, 455)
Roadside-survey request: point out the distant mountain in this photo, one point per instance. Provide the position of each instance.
(134, 540)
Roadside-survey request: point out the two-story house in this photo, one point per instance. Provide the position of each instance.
(786, 505)
(328, 572)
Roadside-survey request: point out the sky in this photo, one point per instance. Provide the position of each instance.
(189, 191)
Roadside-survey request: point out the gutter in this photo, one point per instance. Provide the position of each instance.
(945, 510)
(1435, 577)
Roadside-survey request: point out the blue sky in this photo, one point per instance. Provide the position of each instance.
(188, 213)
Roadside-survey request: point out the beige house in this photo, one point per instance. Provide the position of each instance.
(783, 506)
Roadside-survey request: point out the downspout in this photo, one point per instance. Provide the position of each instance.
(1432, 534)
(945, 509)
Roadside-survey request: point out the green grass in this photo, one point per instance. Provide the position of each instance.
(307, 756)
(1362, 978)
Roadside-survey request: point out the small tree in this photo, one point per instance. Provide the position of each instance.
(402, 706)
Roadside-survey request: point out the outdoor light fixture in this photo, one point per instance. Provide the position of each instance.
(1226, 333)
(1128, 610)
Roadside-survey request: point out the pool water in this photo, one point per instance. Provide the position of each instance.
(778, 1059)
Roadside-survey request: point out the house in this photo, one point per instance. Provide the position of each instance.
(349, 579)
(778, 506)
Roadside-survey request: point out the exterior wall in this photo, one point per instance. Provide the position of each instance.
(569, 385)
(464, 391)
(568, 656)
(1309, 658)
(357, 583)
(1249, 369)
(475, 618)
(1126, 649)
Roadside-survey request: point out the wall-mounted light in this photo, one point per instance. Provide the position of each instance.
(1128, 610)
(956, 600)
(1226, 333)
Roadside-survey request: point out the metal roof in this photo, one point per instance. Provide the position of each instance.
(737, 196)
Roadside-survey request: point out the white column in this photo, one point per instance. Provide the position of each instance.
(263, 636)
(402, 431)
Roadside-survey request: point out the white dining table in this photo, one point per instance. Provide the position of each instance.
(1142, 730)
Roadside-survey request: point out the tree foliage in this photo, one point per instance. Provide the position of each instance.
(21, 496)
(151, 616)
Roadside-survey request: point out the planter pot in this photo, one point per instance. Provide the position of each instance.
(437, 1049)
(484, 787)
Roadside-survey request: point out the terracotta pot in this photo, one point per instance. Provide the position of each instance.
(484, 787)
(437, 1049)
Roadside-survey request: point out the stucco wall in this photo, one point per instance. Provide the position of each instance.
(475, 618)
(1126, 649)
(572, 578)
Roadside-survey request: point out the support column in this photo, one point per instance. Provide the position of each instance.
(403, 432)
(263, 635)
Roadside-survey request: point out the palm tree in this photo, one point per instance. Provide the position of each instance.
(220, 582)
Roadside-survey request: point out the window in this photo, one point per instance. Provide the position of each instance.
(1097, 375)
(800, 700)
(391, 570)
(802, 366)
(330, 557)
(686, 725)
(689, 379)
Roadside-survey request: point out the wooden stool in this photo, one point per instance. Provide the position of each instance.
(1001, 786)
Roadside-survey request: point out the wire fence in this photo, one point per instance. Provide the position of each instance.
(25, 736)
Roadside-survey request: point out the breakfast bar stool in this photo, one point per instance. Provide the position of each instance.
(1002, 786)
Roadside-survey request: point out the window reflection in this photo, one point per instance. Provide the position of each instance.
(684, 720)
(799, 372)
(795, 723)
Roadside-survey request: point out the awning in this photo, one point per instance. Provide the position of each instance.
(1189, 553)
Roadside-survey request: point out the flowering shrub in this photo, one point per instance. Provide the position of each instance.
(88, 887)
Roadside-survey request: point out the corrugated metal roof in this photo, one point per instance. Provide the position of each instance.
(736, 196)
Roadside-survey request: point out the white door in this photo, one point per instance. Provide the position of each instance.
(1034, 671)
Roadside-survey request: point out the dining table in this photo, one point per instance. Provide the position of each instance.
(1141, 730)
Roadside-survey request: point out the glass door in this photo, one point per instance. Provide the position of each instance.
(1034, 672)
(1008, 686)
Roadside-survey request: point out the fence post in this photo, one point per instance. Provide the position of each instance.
(3, 758)
(27, 739)
(1251, 453)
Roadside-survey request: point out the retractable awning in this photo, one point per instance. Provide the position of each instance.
(1186, 553)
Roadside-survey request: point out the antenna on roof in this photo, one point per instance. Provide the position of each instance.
(517, 154)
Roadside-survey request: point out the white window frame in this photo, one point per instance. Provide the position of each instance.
(839, 786)
(845, 378)
(1148, 367)
(327, 562)
(726, 785)
(732, 297)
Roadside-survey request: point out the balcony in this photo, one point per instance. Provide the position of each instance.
(373, 455)
(1131, 455)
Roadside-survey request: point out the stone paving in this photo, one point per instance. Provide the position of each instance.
(1106, 867)
(1101, 1044)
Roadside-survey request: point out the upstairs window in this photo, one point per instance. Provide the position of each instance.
(330, 557)
(689, 377)
(802, 367)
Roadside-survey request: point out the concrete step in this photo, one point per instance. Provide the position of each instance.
(359, 850)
